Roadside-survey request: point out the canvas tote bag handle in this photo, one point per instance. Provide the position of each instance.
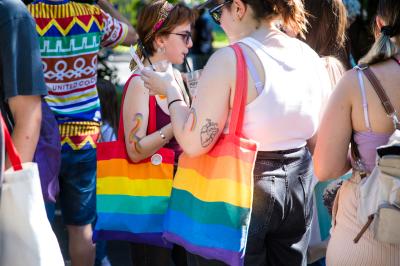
(240, 100)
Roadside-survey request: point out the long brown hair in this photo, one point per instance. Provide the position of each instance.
(149, 16)
(384, 47)
(291, 11)
(326, 30)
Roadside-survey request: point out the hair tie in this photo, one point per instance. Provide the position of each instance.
(388, 31)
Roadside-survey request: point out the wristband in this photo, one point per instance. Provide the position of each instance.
(176, 100)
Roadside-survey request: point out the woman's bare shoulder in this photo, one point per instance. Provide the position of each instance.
(349, 82)
(223, 56)
(136, 86)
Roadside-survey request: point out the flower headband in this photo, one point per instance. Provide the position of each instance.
(164, 12)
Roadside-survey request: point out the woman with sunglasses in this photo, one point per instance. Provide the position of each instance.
(164, 34)
(287, 87)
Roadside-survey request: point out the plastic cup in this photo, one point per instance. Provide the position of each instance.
(192, 79)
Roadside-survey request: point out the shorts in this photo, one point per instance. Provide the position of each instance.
(78, 186)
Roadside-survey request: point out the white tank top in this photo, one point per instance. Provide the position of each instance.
(287, 111)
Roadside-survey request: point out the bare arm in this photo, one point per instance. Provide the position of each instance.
(27, 114)
(331, 151)
(131, 37)
(138, 144)
(311, 143)
(198, 128)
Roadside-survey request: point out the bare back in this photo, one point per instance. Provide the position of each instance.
(388, 73)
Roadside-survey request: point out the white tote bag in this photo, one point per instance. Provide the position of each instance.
(26, 237)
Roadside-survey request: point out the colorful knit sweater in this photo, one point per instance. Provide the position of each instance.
(71, 35)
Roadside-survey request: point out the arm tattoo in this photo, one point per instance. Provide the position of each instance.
(208, 132)
(133, 138)
(194, 121)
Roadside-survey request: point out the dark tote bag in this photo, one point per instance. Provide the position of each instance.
(48, 154)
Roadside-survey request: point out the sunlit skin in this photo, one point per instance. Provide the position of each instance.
(140, 144)
(133, 138)
(193, 118)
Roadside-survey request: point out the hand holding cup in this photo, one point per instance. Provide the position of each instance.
(158, 82)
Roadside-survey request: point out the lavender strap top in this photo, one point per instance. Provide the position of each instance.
(367, 141)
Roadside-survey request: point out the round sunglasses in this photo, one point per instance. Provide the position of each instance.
(186, 36)
(216, 11)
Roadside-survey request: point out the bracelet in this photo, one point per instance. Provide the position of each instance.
(176, 100)
(162, 135)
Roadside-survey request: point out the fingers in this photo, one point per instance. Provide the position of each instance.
(145, 75)
(146, 80)
(146, 72)
(147, 85)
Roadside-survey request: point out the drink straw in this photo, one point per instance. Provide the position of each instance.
(136, 58)
(187, 65)
(146, 55)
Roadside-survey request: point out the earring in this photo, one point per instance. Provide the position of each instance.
(161, 50)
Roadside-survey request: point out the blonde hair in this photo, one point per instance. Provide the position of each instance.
(384, 46)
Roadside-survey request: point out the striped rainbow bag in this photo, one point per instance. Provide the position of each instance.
(210, 207)
(132, 198)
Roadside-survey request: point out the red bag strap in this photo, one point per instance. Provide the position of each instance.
(12, 153)
(152, 111)
(152, 115)
(239, 102)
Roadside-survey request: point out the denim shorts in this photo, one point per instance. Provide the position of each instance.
(78, 186)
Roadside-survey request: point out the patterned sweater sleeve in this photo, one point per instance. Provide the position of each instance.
(114, 31)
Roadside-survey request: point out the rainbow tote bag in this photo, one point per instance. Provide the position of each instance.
(132, 198)
(210, 206)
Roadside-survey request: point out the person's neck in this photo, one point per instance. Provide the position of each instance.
(264, 29)
(156, 57)
(243, 30)
(253, 28)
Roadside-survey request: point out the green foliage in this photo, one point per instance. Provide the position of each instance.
(220, 39)
(131, 8)
(128, 8)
